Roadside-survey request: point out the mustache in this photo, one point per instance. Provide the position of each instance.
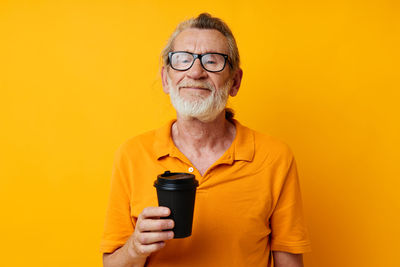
(196, 84)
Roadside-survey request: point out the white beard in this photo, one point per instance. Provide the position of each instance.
(205, 109)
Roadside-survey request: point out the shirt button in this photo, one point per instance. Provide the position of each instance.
(191, 169)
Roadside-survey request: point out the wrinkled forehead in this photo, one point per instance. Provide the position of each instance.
(201, 41)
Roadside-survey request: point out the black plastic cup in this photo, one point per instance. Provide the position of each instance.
(177, 191)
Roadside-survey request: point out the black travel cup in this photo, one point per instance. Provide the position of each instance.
(177, 191)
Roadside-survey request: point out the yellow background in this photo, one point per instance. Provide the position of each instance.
(78, 78)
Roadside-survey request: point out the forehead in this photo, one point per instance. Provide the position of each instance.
(201, 41)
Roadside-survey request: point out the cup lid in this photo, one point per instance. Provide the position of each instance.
(176, 181)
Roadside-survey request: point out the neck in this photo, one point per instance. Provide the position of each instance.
(194, 134)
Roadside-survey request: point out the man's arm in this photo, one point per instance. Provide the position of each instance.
(285, 259)
(122, 257)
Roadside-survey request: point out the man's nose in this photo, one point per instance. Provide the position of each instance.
(197, 71)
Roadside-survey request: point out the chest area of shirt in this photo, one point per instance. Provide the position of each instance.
(204, 160)
(224, 189)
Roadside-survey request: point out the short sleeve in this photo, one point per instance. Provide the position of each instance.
(288, 230)
(118, 223)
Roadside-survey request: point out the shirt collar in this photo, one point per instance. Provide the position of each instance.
(244, 143)
(242, 147)
(163, 144)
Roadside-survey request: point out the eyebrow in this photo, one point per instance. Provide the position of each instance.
(208, 52)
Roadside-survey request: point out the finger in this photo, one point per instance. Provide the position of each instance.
(151, 212)
(155, 225)
(148, 249)
(148, 238)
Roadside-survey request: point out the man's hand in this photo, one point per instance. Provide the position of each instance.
(149, 235)
(147, 238)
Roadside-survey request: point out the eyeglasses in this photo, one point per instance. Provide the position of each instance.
(212, 62)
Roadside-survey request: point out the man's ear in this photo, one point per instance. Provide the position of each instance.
(164, 79)
(237, 79)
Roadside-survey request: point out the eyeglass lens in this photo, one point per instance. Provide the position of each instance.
(211, 62)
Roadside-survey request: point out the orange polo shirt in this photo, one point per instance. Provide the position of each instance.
(247, 203)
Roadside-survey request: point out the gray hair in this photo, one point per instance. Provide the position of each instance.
(207, 22)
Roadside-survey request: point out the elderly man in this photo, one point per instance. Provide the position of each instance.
(248, 207)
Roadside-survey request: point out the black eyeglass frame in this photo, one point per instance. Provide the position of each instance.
(199, 56)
